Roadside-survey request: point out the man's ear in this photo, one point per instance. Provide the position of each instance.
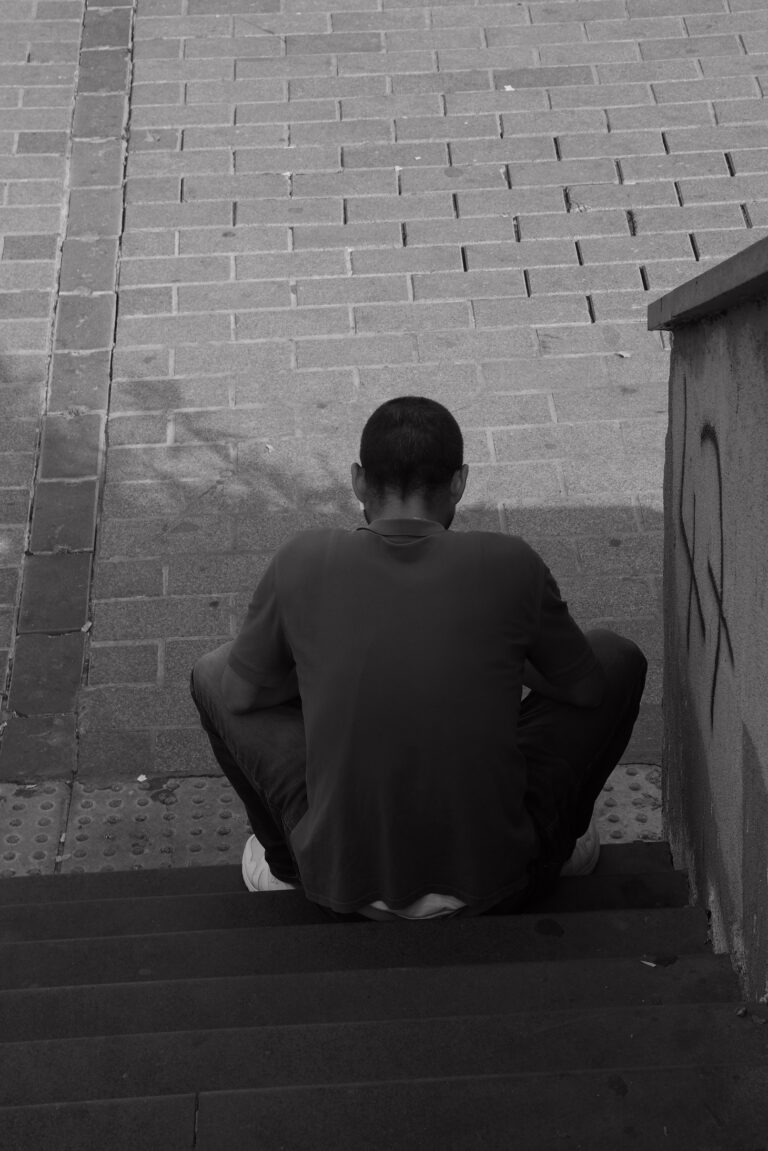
(459, 482)
(359, 486)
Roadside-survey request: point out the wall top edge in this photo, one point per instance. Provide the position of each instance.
(739, 278)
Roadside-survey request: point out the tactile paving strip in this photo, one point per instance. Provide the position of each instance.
(32, 819)
(193, 822)
(629, 806)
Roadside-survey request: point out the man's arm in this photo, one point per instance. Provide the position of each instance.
(586, 692)
(241, 696)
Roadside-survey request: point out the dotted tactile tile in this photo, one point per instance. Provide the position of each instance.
(158, 823)
(32, 819)
(629, 806)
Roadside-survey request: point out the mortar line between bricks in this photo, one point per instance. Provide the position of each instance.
(5, 691)
(128, 84)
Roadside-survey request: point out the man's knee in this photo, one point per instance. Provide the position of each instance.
(205, 677)
(621, 659)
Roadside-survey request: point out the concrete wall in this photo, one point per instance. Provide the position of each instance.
(716, 604)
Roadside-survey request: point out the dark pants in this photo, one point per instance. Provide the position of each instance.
(569, 751)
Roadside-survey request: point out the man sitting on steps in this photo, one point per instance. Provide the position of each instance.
(369, 712)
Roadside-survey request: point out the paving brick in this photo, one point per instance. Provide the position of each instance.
(381, 261)
(464, 80)
(503, 202)
(751, 160)
(543, 77)
(122, 579)
(524, 313)
(338, 352)
(723, 189)
(95, 212)
(202, 162)
(202, 241)
(85, 323)
(549, 225)
(34, 192)
(590, 197)
(351, 289)
(105, 70)
(79, 381)
(107, 28)
(359, 182)
(23, 335)
(70, 446)
(690, 46)
(740, 111)
(64, 516)
(680, 166)
(144, 429)
(127, 706)
(722, 244)
(589, 53)
(88, 265)
(232, 297)
(596, 339)
(601, 96)
(172, 330)
(187, 269)
(179, 116)
(46, 674)
(614, 144)
(649, 71)
(22, 305)
(98, 116)
(123, 663)
(408, 207)
(488, 345)
(391, 155)
(217, 358)
(293, 323)
(153, 190)
(54, 595)
(39, 747)
(369, 235)
(504, 151)
(688, 219)
(719, 137)
(525, 254)
(277, 265)
(468, 285)
(29, 247)
(310, 64)
(728, 88)
(666, 274)
(169, 616)
(597, 277)
(96, 164)
(414, 317)
(29, 143)
(263, 185)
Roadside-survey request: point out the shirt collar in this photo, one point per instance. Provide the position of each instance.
(412, 527)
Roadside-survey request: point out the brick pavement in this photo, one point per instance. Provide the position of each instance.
(323, 203)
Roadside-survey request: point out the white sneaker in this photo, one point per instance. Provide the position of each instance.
(256, 873)
(586, 853)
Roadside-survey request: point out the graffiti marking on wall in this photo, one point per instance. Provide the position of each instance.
(708, 598)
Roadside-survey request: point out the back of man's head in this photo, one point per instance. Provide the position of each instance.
(410, 444)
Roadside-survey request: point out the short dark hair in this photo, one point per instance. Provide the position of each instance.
(410, 444)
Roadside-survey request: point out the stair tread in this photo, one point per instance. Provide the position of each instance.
(713, 1108)
(75, 919)
(637, 857)
(173, 1063)
(351, 946)
(166, 1122)
(389, 993)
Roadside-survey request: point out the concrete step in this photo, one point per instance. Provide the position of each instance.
(707, 1108)
(345, 996)
(704, 1108)
(77, 919)
(350, 946)
(174, 1063)
(637, 858)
